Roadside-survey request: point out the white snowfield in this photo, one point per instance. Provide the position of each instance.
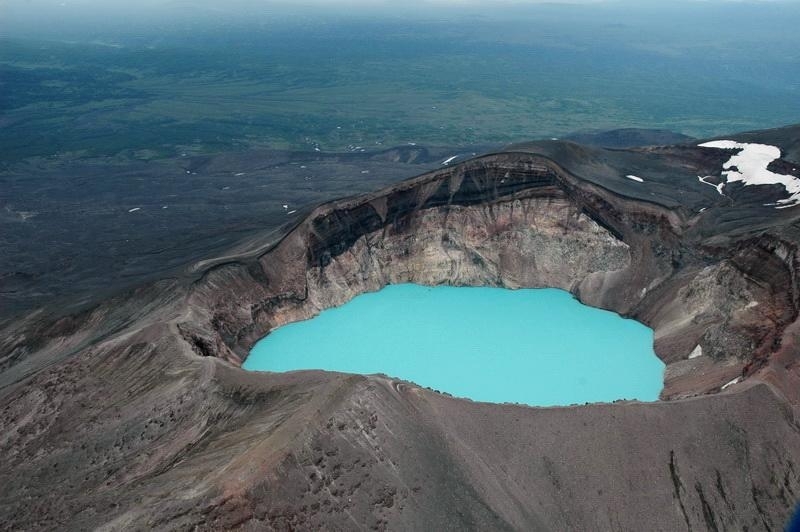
(635, 178)
(749, 166)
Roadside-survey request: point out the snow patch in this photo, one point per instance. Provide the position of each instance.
(734, 381)
(718, 187)
(635, 178)
(749, 166)
(696, 352)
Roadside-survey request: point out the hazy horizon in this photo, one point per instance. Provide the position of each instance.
(69, 18)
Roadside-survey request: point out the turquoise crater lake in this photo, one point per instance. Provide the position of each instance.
(534, 346)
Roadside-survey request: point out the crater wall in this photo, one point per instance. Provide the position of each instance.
(516, 220)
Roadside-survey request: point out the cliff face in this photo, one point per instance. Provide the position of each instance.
(135, 414)
(515, 220)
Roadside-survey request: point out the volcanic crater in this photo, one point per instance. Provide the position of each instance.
(135, 414)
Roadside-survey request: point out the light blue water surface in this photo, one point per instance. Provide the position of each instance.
(533, 346)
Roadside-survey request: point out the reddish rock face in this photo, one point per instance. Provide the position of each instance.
(134, 414)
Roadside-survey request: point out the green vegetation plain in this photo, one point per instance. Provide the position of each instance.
(345, 84)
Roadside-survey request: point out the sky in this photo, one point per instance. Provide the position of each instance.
(15, 8)
(71, 20)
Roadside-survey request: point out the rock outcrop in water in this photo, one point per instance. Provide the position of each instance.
(134, 413)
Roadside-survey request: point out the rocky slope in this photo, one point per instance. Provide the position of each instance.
(134, 413)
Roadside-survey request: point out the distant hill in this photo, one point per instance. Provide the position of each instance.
(628, 138)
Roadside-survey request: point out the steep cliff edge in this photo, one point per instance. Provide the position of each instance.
(516, 220)
(134, 415)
